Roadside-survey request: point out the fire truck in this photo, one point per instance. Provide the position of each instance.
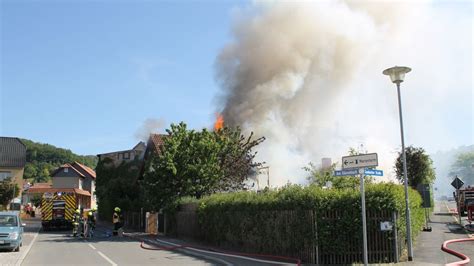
(57, 209)
(465, 200)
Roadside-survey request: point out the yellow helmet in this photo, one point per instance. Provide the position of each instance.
(78, 211)
(117, 209)
(89, 213)
(94, 209)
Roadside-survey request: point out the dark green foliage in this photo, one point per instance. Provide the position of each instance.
(197, 163)
(7, 189)
(117, 186)
(419, 167)
(463, 167)
(256, 217)
(42, 159)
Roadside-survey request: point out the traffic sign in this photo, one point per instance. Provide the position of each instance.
(360, 161)
(457, 183)
(346, 172)
(373, 172)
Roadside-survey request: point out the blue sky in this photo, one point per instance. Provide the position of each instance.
(85, 75)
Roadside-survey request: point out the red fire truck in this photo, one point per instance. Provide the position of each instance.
(465, 200)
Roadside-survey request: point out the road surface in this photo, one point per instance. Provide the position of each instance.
(60, 248)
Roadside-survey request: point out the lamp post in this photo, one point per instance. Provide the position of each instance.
(397, 74)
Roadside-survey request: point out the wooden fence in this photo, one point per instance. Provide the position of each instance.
(383, 246)
(135, 220)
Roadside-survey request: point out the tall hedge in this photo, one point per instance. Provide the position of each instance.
(243, 218)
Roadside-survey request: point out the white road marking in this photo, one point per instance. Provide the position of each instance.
(223, 254)
(107, 258)
(22, 258)
(90, 245)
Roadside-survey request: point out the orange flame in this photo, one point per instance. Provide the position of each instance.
(219, 124)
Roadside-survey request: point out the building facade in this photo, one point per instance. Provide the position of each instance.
(12, 162)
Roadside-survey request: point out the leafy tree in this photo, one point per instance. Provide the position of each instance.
(117, 186)
(236, 158)
(320, 176)
(419, 167)
(197, 163)
(7, 189)
(464, 167)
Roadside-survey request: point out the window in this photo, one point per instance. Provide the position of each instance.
(4, 175)
(66, 170)
(80, 183)
(126, 155)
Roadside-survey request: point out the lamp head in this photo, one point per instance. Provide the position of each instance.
(396, 73)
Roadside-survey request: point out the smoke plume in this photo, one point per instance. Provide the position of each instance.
(150, 125)
(307, 76)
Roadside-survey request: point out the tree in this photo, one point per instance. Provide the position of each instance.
(118, 186)
(419, 167)
(8, 191)
(320, 176)
(464, 167)
(196, 163)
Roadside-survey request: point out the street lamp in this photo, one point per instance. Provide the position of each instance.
(397, 74)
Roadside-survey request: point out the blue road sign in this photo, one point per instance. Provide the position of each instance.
(373, 172)
(346, 172)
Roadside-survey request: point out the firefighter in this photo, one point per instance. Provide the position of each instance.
(90, 224)
(117, 220)
(76, 221)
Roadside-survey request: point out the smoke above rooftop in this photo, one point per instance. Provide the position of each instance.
(307, 76)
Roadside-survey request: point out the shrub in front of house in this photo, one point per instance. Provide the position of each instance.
(295, 219)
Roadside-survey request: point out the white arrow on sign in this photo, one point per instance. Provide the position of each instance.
(360, 161)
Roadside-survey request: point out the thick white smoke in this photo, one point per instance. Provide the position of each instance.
(307, 76)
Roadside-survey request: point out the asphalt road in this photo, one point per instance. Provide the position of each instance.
(60, 248)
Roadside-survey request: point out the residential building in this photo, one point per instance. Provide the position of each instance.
(12, 161)
(70, 178)
(137, 152)
(154, 144)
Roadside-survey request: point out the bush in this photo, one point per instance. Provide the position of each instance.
(282, 220)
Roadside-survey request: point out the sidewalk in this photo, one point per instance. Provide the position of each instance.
(427, 249)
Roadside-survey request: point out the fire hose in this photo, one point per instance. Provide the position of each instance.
(217, 252)
(465, 259)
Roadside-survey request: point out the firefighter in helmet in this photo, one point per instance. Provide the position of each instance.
(117, 220)
(76, 221)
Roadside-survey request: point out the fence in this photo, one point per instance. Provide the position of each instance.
(277, 235)
(135, 220)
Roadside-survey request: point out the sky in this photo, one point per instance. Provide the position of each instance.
(86, 75)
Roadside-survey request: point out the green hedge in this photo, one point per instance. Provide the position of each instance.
(244, 218)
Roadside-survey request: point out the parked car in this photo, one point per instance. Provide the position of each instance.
(11, 231)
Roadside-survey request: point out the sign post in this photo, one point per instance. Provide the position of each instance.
(457, 184)
(364, 221)
(360, 162)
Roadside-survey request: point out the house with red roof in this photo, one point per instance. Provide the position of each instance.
(71, 178)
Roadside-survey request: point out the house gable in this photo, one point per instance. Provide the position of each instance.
(12, 153)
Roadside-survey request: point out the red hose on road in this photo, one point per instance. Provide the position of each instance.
(465, 259)
(142, 245)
